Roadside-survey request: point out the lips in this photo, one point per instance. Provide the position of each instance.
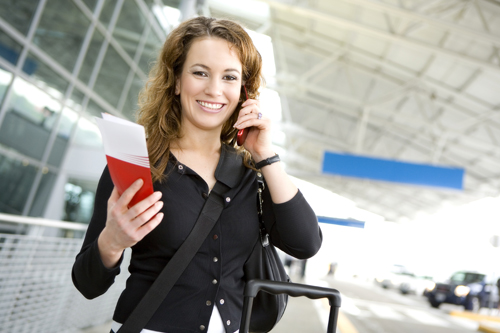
(211, 106)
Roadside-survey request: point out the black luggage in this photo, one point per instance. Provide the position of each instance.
(292, 289)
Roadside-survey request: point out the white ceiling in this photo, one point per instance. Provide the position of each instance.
(417, 81)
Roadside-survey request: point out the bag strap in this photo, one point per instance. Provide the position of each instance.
(165, 281)
(264, 236)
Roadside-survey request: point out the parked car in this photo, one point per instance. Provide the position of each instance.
(472, 290)
(392, 276)
(415, 284)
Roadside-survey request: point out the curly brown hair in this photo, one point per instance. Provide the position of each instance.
(160, 108)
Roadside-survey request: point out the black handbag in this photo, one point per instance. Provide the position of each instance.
(265, 264)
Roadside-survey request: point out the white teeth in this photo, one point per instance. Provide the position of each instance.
(210, 105)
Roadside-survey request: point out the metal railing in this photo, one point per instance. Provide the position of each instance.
(36, 291)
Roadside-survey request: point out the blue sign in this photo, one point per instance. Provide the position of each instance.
(342, 222)
(393, 171)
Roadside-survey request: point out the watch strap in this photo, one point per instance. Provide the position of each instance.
(267, 161)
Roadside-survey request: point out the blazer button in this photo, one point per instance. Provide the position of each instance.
(202, 327)
(222, 301)
(228, 322)
(214, 281)
(209, 303)
(215, 237)
(204, 195)
(216, 259)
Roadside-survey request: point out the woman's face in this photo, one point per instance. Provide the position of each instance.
(210, 84)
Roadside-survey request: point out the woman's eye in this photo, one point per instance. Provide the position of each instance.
(200, 74)
(230, 78)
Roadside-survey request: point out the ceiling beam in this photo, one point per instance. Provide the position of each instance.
(484, 36)
(371, 31)
(405, 71)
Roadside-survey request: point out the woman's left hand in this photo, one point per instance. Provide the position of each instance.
(258, 141)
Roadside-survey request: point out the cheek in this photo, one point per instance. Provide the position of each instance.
(234, 95)
(189, 87)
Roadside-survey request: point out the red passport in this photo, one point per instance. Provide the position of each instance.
(127, 155)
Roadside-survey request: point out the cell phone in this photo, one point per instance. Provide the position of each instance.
(242, 133)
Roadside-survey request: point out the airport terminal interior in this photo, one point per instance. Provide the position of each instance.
(404, 93)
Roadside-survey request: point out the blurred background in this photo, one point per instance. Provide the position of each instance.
(386, 113)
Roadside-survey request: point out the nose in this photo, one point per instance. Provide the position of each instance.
(213, 87)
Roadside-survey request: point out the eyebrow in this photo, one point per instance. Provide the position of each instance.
(208, 68)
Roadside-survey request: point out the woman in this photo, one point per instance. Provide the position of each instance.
(192, 107)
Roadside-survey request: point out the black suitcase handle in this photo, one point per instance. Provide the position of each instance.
(292, 289)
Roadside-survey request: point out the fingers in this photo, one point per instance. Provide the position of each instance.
(148, 217)
(114, 197)
(118, 205)
(146, 209)
(142, 206)
(251, 115)
(249, 106)
(129, 226)
(146, 228)
(252, 119)
(129, 193)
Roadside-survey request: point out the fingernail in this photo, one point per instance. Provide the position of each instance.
(158, 194)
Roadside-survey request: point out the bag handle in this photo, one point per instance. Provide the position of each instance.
(173, 270)
(293, 289)
(264, 236)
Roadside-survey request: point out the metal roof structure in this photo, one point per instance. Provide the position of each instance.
(409, 80)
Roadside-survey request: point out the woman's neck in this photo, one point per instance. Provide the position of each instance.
(205, 142)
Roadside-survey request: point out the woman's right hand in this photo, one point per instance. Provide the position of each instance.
(127, 226)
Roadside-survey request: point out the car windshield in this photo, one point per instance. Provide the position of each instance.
(465, 278)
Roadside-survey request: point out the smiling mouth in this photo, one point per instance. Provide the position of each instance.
(211, 106)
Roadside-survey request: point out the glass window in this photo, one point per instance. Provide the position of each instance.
(79, 200)
(38, 70)
(43, 193)
(90, 4)
(18, 13)
(112, 77)
(129, 27)
(91, 57)
(107, 12)
(93, 110)
(61, 36)
(149, 3)
(68, 121)
(87, 133)
(5, 79)
(69, 118)
(130, 107)
(466, 278)
(9, 48)
(151, 50)
(16, 178)
(31, 114)
(66, 125)
(76, 99)
(172, 3)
